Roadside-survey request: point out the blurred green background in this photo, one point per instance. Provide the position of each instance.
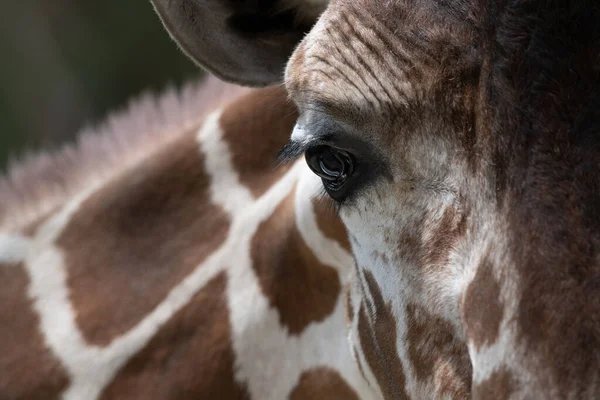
(65, 64)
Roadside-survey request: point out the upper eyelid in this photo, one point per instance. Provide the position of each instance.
(320, 141)
(294, 148)
(333, 140)
(323, 129)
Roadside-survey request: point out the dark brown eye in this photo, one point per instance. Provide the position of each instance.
(333, 166)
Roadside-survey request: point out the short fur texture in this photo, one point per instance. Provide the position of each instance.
(200, 270)
(485, 114)
(41, 181)
(473, 210)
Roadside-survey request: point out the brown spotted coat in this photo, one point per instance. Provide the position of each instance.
(191, 273)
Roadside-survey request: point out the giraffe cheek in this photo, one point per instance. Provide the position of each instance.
(377, 334)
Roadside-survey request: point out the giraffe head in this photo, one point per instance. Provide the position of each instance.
(458, 141)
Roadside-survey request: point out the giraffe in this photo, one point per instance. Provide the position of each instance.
(458, 140)
(160, 259)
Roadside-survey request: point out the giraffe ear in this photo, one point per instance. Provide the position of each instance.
(247, 42)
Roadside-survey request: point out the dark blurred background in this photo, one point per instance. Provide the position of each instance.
(65, 64)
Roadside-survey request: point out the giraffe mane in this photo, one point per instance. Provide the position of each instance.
(39, 181)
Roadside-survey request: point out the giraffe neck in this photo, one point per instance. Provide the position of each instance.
(41, 182)
(202, 270)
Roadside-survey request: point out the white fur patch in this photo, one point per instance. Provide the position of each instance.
(263, 347)
(13, 248)
(225, 188)
(300, 134)
(91, 367)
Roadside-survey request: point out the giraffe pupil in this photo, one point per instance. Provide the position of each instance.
(332, 165)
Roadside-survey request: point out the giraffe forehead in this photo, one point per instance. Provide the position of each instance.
(346, 62)
(368, 56)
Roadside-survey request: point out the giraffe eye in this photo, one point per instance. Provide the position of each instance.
(333, 166)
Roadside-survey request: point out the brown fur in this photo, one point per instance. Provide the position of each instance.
(42, 181)
(329, 223)
(450, 230)
(189, 358)
(322, 384)
(500, 385)
(377, 335)
(499, 114)
(139, 235)
(523, 156)
(483, 309)
(493, 106)
(254, 158)
(349, 307)
(296, 283)
(144, 233)
(29, 369)
(434, 352)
